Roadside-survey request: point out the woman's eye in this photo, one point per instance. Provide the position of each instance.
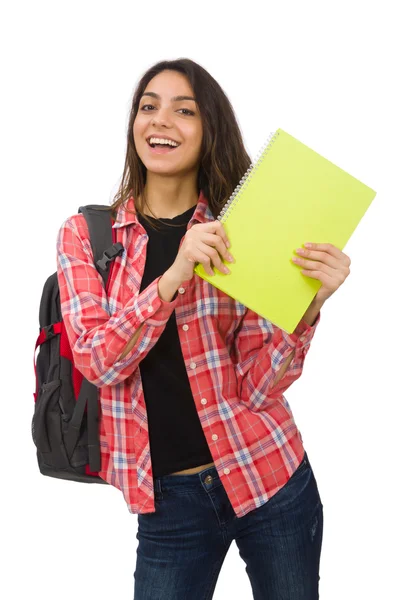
(190, 112)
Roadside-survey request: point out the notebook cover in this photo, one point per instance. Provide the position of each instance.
(293, 195)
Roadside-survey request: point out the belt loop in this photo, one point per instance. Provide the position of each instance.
(158, 489)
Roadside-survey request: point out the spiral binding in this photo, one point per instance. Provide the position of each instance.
(231, 203)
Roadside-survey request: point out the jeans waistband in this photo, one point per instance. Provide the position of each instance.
(207, 477)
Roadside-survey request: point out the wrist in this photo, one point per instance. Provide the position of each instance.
(311, 314)
(168, 285)
(174, 277)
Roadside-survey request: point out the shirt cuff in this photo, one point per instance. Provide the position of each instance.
(150, 308)
(303, 334)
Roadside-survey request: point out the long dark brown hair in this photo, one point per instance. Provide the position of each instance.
(223, 158)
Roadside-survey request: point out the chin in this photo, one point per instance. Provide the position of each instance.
(165, 169)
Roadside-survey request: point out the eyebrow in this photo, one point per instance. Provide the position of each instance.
(174, 99)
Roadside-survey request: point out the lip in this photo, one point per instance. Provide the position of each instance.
(163, 150)
(163, 137)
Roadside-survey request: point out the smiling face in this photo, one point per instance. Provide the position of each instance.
(167, 110)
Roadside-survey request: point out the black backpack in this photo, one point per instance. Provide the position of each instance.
(65, 423)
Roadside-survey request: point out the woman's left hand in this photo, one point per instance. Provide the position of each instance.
(326, 263)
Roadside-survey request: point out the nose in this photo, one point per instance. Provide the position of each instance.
(161, 118)
(159, 123)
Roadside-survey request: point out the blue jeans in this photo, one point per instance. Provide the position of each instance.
(183, 544)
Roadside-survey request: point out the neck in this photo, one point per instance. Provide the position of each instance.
(168, 197)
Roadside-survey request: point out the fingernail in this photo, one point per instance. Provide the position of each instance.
(227, 244)
(230, 258)
(226, 270)
(308, 245)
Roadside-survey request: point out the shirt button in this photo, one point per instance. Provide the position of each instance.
(185, 327)
(203, 400)
(150, 309)
(193, 365)
(214, 437)
(226, 471)
(181, 290)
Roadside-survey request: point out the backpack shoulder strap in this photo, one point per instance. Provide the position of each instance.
(104, 251)
(99, 221)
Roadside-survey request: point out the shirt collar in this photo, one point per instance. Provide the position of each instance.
(202, 214)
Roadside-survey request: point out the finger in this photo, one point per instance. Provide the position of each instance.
(217, 242)
(214, 257)
(330, 249)
(340, 273)
(311, 266)
(205, 260)
(325, 279)
(217, 228)
(332, 279)
(306, 256)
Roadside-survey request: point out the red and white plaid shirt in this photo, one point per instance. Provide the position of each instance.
(231, 355)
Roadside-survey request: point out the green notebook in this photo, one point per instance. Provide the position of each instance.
(290, 195)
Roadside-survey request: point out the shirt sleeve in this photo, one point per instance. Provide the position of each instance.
(260, 350)
(97, 338)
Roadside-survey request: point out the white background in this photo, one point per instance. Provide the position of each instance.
(325, 73)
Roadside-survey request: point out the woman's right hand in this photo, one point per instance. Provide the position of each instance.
(204, 243)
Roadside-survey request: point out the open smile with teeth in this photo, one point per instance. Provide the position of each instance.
(162, 143)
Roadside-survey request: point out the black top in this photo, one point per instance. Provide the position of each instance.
(176, 438)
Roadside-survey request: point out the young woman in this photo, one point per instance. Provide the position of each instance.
(194, 429)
